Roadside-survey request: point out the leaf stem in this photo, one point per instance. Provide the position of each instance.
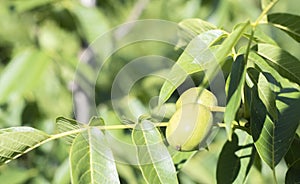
(127, 126)
(274, 176)
(264, 12)
(217, 109)
(52, 137)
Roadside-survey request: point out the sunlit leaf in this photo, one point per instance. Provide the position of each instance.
(194, 58)
(260, 37)
(190, 28)
(246, 154)
(265, 92)
(91, 20)
(154, 159)
(289, 23)
(91, 159)
(62, 173)
(273, 137)
(236, 85)
(266, 68)
(23, 73)
(286, 64)
(223, 51)
(17, 141)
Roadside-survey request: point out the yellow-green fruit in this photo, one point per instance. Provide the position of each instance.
(192, 95)
(188, 126)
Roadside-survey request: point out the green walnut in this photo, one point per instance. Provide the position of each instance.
(193, 95)
(189, 126)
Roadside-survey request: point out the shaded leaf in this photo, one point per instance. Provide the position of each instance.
(65, 125)
(273, 138)
(293, 154)
(17, 141)
(286, 64)
(246, 154)
(96, 121)
(229, 164)
(91, 159)
(236, 85)
(263, 65)
(154, 159)
(292, 176)
(21, 6)
(289, 23)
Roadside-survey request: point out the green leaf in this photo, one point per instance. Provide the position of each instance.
(230, 41)
(286, 64)
(154, 159)
(236, 85)
(65, 125)
(229, 164)
(263, 65)
(289, 23)
(22, 6)
(91, 159)
(292, 175)
(265, 92)
(293, 154)
(273, 138)
(165, 111)
(179, 158)
(22, 74)
(267, 95)
(62, 173)
(17, 141)
(96, 121)
(17, 175)
(192, 60)
(223, 51)
(190, 28)
(246, 154)
(92, 22)
(259, 36)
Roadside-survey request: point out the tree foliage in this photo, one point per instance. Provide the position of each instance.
(259, 125)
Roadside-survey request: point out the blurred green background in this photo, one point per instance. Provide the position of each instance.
(41, 42)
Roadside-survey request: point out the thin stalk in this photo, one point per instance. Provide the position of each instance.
(51, 138)
(274, 176)
(264, 12)
(217, 109)
(117, 127)
(76, 131)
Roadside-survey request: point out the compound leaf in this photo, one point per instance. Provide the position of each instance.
(16, 141)
(154, 159)
(91, 159)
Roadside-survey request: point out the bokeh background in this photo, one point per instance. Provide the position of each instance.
(41, 45)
